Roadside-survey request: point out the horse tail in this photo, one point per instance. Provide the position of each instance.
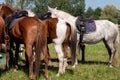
(73, 43)
(116, 46)
(38, 47)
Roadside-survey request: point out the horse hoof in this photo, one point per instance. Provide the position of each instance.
(31, 78)
(45, 78)
(110, 66)
(73, 66)
(57, 74)
(15, 70)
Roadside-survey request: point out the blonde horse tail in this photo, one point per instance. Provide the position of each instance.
(38, 49)
(116, 46)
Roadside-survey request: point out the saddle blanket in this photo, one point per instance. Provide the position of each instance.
(90, 27)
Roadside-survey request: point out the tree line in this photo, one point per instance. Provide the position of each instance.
(74, 7)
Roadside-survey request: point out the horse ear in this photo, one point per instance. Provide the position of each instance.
(56, 8)
(49, 8)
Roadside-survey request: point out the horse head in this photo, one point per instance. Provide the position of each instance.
(53, 12)
(6, 10)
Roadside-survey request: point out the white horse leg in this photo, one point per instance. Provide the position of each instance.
(111, 50)
(65, 64)
(58, 49)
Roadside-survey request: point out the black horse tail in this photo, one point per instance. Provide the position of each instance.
(38, 51)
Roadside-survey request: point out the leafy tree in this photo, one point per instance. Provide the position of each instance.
(97, 13)
(78, 7)
(109, 12)
(74, 7)
(93, 13)
(89, 12)
(19, 4)
(40, 6)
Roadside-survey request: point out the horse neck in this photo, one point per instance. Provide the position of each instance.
(67, 17)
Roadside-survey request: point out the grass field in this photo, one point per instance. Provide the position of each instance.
(94, 68)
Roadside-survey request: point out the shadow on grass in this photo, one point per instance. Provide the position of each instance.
(53, 68)
(90, 62)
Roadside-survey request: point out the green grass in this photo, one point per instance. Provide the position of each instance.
(94, 68)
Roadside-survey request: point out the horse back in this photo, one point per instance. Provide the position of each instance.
(26, 28)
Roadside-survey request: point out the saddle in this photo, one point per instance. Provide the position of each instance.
(13, 18)
(85, 26)
(43, 16)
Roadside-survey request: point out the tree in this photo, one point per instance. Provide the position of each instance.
(74, 7)
(97, 13)
(110, 12)
(89, 12)
(93, 13)
(19, 4)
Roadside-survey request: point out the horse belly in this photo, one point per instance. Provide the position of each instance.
(92, 38)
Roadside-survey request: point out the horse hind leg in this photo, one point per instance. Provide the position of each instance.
(111, 50)
(46, 60)
(116, 45)
(28, 50)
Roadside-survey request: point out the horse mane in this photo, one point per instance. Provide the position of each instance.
(64, 15)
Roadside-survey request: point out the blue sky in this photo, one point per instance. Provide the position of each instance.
(102, 3)
(98, 3)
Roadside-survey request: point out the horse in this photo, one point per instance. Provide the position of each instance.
(4, 40)
(31, 32)
(106, 31)
(27, 34)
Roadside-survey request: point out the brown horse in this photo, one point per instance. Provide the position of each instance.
(28, 31)
(4, 39)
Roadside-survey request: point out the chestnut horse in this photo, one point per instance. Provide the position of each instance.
(4, 39)
(30, 31)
